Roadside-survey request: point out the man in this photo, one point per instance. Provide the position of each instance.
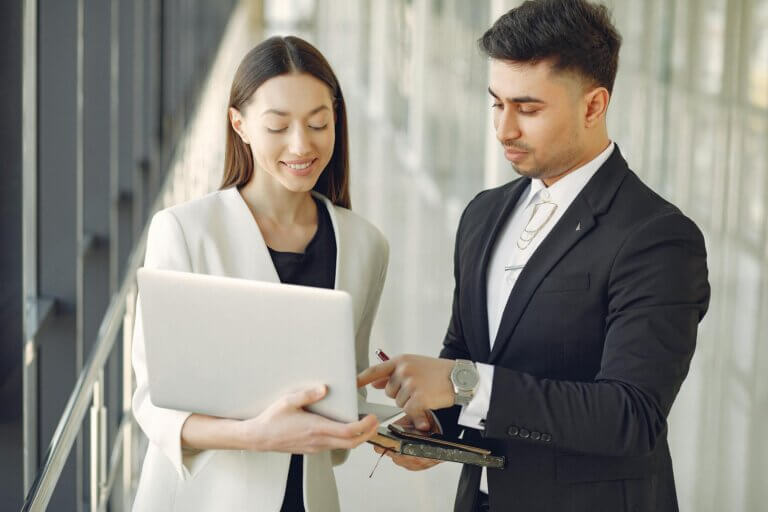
(578, 291)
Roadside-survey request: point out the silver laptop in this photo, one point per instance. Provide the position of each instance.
(229, 347)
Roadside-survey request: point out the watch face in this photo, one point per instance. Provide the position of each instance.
(466, 378)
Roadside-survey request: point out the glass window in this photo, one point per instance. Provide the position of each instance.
(757, 81)
(708, 75)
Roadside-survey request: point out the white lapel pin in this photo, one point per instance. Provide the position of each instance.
(578, 228)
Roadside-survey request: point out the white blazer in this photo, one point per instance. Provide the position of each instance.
(218, 235)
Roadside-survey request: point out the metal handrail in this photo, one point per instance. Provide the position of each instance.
(67, 430)
(88, 390)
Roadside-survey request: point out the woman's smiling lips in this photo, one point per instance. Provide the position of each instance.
(299, 167)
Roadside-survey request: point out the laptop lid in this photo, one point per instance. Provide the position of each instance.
(230, 347)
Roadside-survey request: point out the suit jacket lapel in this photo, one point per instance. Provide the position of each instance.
(498, 218)
(577, 221)
(562, 237)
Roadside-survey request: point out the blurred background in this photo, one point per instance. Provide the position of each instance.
(114, 108)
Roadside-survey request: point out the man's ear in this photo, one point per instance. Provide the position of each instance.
(236, 120)
(596, 102)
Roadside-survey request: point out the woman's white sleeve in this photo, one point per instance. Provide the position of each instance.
(166, 249)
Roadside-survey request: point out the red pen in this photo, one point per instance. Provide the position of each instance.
(383, 358)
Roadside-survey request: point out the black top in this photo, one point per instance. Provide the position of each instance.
(315, 267)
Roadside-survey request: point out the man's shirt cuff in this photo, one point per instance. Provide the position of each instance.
(474, 413)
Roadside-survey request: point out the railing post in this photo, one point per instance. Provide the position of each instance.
(127, 462)
(29, 65)
(98, 443)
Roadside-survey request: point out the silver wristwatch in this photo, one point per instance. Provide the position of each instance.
(465, 379)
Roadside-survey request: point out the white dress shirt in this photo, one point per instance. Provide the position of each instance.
(507, 252)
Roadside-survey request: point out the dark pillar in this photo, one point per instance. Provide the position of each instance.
(11, 317)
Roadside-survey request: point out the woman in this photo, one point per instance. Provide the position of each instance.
(282, 214)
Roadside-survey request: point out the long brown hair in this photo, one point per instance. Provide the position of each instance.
(278, 56)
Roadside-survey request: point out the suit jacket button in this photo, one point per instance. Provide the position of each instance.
(535, 436)
(513, 431)
(524, 434)
(546, 438)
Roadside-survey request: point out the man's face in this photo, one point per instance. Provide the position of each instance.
(537, 114)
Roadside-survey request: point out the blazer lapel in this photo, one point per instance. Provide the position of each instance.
(248, 243)
(498, 218)
(337, 235)
(577, 221)
(348, 260)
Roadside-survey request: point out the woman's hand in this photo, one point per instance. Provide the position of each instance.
(286, 427)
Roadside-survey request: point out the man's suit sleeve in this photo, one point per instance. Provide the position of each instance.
(657, 294)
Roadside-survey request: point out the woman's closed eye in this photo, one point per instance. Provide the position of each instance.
(281, 130)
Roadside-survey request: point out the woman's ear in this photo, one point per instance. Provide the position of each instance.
(236, 120)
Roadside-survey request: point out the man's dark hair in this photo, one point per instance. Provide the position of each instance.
(575, 35)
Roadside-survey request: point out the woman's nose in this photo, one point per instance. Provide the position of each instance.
(299, 143)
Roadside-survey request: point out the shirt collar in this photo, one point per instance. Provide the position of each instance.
(565, 190)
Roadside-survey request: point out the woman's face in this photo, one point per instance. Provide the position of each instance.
(289, 125)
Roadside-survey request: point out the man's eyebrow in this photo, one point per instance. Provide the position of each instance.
(519, 99)
(282, 113)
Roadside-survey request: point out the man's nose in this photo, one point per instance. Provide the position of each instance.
(507, 127)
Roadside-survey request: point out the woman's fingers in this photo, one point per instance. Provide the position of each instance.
(306, 396)
(324, 427)
(336, 435)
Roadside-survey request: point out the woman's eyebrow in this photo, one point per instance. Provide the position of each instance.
(283, 113)
(274, 111)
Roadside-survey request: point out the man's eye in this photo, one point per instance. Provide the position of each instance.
(319, 128)
(276, 130)
(496, 105)
(527, 111)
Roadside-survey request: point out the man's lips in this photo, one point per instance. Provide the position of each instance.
(514, 155)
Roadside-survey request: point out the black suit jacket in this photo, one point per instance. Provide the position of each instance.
(594, 343)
